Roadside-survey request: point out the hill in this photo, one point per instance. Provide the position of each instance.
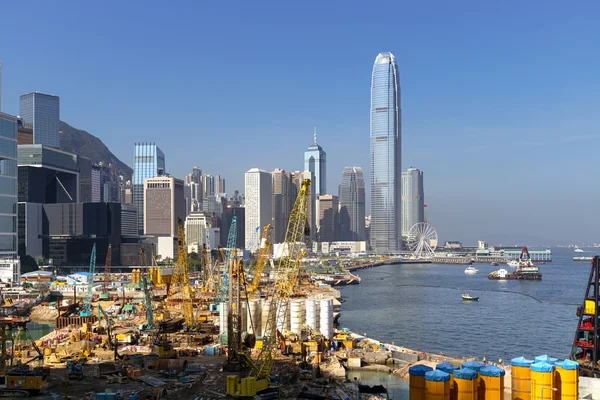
(87, 145)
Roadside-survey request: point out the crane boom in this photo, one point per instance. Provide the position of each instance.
(107, 266)
(182, 275)
(87, 305)
(231, 252)
(261, 260)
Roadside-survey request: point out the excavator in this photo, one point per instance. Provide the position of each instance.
(286, 278)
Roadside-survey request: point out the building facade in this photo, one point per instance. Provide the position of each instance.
(96, 190)
(129, 220)
(197, 230)
(148, 160)
(259, 201)
(329, 221)
(283, 201)
(41, 113)
(413, 199)
(352, 204)
(164, 204)
(9, 268)
(385, 155)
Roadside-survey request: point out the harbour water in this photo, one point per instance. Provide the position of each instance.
(419, 306)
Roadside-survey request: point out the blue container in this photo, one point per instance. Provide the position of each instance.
(491, 370)
(520, 362)
(546, 358)
(567, 364)
(473, 365)
(542, 367)
(465, 373)
(446, 367)
(419, 370)
(209, 351)
(437, 375)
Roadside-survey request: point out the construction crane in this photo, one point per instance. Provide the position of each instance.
(231, 253)
(87, 304)
(261, 260)
(286, 276)
(102, 313)
(182, 276)
(254, 243)
(146, 282)
(107, 279)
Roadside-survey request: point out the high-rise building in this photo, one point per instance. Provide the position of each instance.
(240, 213)
(208, 186)
(413, 199)
(0, 85)
(385, 155)
(219, 185)
(329, 221)
(96, 190)
(41, 112)
(9, 266)
(197, 230)
(164, 204)
(352, 204)
(315, 161)
(128, 220)
(148, 161)
(283, 201)
(259, 201)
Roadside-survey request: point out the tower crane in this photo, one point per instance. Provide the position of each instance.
(146, 287)
(106, 282)
(286, 276)
(261, 260)
(182, 276)
(87, 304)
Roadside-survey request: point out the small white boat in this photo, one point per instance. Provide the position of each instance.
(471, 270)
(468, 297)
(513, 263)
(578, 250)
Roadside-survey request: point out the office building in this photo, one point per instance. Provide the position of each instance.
(315, 161)
(385, 155)
(95, 188)
(0, 86)
(164, 204)
(129, 220)
(413, 199)
(148, 161)
(208, 186)
(41, 113)
(259, 201)
(283, 200)
(220, 185)
(197, 230)
(240, 213)
(328, 220)
(352, 204)
(9, 265)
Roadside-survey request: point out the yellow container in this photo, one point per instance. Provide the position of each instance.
(491, 383)
(521, 379)
(437, 385)
(566, 380)
(416, 381)
(590, 307)
(542, 381)
(465, 384)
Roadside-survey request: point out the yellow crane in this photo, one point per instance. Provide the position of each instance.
(261, 260)
(286, 276)
(182, 276)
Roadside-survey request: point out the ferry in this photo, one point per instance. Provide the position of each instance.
(471, 270)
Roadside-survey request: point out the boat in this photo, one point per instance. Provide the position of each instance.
(578, 250)
(583, 258)
(468, 297)
(495, 264)
(513, 263)
(338, 279)
(526, 269)
(471, 270)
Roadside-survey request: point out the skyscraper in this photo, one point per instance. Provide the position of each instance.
(283, 201)
(385, 155)
(315, 161)
(163, 205)
(259, 202)
(352, 204)
(9, 268)
(148, 159)
(41, 112)
(413, 199)
(329, 221)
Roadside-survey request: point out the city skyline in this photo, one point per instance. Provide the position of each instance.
(474, 101)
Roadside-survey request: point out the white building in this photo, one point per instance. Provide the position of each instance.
(198, 233)
(259, 201)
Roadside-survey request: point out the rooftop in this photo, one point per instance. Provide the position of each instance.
(385, 58)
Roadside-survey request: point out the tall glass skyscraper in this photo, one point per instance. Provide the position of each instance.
(315, 161)
(148, 159)
(413, 199)
(352, 204)
(8, 189)
(385, 155)
(41, 112)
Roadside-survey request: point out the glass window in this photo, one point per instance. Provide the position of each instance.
(8, 186)
(8, 128)
(8, 167)
(8, 148)
(8, 243)
(8, 224)
(8, 205)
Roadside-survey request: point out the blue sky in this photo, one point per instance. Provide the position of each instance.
(500, 100)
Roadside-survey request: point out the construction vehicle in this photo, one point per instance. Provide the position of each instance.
(106, 281)
(261, 260)
(286, 276)
(87, 304)
(161, 345)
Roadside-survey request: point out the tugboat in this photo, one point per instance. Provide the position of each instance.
(526, 270)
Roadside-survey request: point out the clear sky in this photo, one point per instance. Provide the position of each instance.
(500, 100)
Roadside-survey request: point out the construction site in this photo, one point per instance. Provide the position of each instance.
(242, 327)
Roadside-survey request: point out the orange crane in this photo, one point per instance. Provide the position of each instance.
(286, 277)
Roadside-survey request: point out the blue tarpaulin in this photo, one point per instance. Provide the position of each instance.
(520, 362)
(437, 375)
(546, 358)
(446, 367)
(419, 370)
(542, 367)
(465, 373)
(473, 365)
(491, 370)
(567, 364)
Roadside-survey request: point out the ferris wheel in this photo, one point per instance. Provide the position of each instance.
(422, 240)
